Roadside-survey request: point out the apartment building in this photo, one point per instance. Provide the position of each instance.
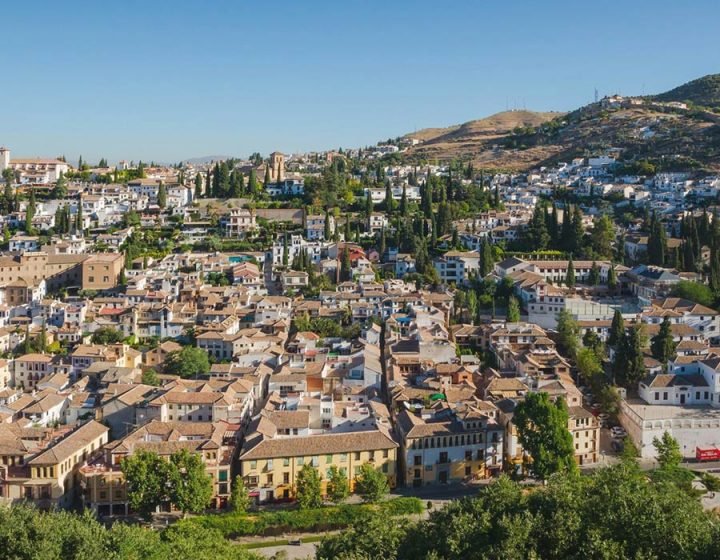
(443, 447)
(270, 462)
(41, 465)
(103, 488)
(102, 271)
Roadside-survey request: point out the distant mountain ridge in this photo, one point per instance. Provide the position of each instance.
(641, 127)
(207, 159)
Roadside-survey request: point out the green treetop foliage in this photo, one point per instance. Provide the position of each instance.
(239, 496)
(188, 362)
(191, 488)
(107, 335)
(513, 312)
(543, 432)
(308, 487)
(602, 238)
(30, 534)
(629, 362)
(694, 291)
(657, 242)
(371, 484)
(146, 475)
(617, 329)
(662, 344)
(570, 274)
(162, 195)
(614, 513)
(338, 487)
(60, 190)
(568, 333)
(150, 377)
(668, 451)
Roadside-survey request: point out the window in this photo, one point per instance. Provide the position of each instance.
(417, 460)
(286, 462)
(300, 461)
(286, 478)
(253, 465)
(223, 476)
(357, 455)
(328, 459)
(665, 395)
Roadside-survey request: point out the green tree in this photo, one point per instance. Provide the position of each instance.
(60, 190)
(617, 329)
(694, 291)
(345, 266)
(629, 364)
(568, 333)
(338, 487)
(191, 488)
(188, 362)
(374, 538)
(162, 195)
(107, 335)
(588, 366)
(513, 312)
(146, 476)
(602, 238)
(657, 243)
(308, 487)
(239, 497)
(371, 484)
(543, 432)
(668, 451)
(594, 274)
(570, 274)
(150, 377)
(662, 344)
(612, 278)
(198, 186)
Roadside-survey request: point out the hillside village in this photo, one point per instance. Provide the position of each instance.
(347, 309)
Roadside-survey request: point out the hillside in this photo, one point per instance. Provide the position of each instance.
(704, 92)
(641, 128)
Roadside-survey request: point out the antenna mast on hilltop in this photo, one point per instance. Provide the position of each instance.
(596, 95)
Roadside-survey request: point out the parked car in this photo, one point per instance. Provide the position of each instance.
(618, 432)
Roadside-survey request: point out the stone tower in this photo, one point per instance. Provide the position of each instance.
(4, 158)
(277, 167)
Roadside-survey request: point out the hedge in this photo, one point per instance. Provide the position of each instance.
(269, 523)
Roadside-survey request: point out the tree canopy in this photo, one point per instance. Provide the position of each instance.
(614, 513)
(188, 362)
(543, 432)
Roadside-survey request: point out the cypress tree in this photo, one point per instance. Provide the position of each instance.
(162, 195)
(662, 344)
(570, 275)
(198, 186)
(617, 329)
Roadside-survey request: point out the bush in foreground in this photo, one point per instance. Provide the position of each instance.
(233, 525)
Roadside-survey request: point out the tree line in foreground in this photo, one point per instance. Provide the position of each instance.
(27, 534)
(616, 513)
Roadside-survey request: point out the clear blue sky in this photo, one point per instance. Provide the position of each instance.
(174, 79)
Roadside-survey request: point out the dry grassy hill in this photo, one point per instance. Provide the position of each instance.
(521, 140)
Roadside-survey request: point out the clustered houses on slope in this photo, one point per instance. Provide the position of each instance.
(327, 346)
